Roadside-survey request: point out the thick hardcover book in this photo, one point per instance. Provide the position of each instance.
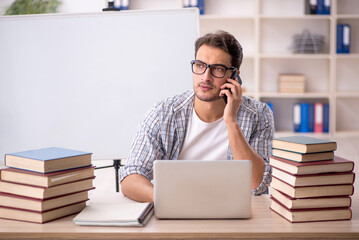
(40, 217)
(27, 203)
(46, 179)
(43, 192)
(338, 164)
(114, 209)
(317, 202)
(304, 144)
(311, 191)
(314, 179)
(48, 159)
(311, 215)
(303, 157)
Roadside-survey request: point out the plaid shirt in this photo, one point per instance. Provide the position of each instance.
(162, 133)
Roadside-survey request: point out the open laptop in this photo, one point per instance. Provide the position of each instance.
(196, 189)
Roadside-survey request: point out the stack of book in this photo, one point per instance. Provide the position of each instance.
(309, 182)
(45, 184)
(291, 83)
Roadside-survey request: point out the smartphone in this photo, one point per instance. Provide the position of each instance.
(235, 75)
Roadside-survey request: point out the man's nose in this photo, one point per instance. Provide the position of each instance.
(207, 76)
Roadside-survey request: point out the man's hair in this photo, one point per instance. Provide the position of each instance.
(224, 41)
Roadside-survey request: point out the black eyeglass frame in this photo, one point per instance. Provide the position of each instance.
(210, 69)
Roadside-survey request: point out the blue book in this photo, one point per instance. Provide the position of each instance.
(47, 160)
(325, 117)
(304, 117)
(296, 117)
(310, 117)
(343, 38)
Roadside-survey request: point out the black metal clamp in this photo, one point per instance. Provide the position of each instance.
(116, 164)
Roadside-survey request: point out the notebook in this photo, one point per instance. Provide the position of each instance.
(198, 189)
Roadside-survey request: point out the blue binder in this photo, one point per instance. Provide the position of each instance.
(323, 7)
(310, 117)
(343, 38)
(325, 117)
(304, 117)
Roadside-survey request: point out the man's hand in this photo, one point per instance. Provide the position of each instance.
(234, 100)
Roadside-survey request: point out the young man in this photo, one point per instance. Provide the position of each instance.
(199, 124)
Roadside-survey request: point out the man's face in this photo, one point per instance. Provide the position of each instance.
(206, 86)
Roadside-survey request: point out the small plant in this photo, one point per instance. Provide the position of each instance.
(32, 7)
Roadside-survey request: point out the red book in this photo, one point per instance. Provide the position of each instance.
(311, 191)
(310, 215)
(317, 202)
(43, 192)
(338, 164)
(46, 179)
(27, 203)
(38, 216)
(313, 179)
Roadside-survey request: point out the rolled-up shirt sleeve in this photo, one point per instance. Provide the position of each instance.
(261, 141)
(145, 148)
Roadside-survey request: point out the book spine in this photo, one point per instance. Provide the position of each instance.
(310, 6)
(343, 38)
(325, 117)
(310, 117)
(304, 117)
(320, 7)
(296, 117)
(125, 4)
(201, 7)
(318, 117)
(346, 38)
(327, 6)
(186, 3)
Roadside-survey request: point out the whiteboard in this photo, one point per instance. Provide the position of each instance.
(85, 81)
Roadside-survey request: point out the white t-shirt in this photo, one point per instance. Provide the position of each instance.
(205, 141)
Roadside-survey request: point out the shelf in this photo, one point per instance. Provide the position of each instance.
(279, 134)
(293, 95)
(294, 56)
(348, 16)
(347, 94)
(299, 17)
(348, 56)
(228, 17)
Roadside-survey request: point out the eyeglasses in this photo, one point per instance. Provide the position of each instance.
(217, 70)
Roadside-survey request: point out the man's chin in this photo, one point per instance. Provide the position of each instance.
(207, 98)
